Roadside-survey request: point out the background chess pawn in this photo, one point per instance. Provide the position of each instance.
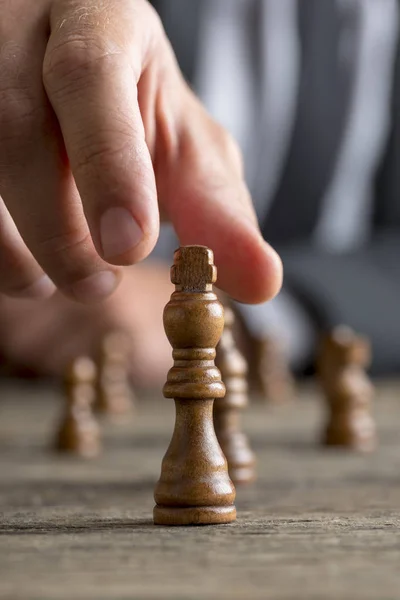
(114, 392)
(273, 375)
(349, 392)
(79, 432)
(234, 443)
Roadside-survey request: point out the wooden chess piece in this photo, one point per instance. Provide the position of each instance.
(234, 443)
(194, 486)
(344, 356)
(275, 381)
(79, 433)
(114, 392)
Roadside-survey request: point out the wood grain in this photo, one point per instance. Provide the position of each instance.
(319, 523)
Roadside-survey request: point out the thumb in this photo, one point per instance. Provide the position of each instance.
(203, 194)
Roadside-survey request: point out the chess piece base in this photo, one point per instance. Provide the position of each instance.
(241, 475)
(194, 515)
(81, 441)
(116, 408)
(236, 448)
(358, 445)
(241, 460)
(354, 432)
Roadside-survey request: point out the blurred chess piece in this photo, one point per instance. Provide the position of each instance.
(233, 442)
(342, 364)
(79, 432)
(273, 377)
(114, 392)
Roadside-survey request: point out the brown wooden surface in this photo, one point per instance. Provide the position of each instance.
(319, 523)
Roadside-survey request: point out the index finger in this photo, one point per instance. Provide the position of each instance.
(94, 59)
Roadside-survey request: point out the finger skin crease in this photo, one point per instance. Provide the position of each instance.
(73, 242)
(72, 62)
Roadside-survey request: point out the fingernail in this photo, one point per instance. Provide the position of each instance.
(95, 287)
(42, 288)
(119, 232)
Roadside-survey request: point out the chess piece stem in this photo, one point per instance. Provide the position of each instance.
(227, 420)
(194, 486)
(348, 390)
(115, 397)
(274, 378)
(79, 432)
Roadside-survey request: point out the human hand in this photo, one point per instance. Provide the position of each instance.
(96, 121)
(42, 337)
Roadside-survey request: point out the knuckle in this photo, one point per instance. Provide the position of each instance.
(15, 64)
(152, 19)
(18, 116)
(75, 61)
(99, 151)
(19, 106)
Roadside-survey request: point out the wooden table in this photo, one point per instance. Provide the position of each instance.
(318, 523)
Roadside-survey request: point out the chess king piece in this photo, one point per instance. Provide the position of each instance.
(79, 432)
(274, 378)
(194, 487)
(234, 443)
(114, 392)
(344, 356)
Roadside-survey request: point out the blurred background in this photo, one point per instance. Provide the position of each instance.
(310, 90)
